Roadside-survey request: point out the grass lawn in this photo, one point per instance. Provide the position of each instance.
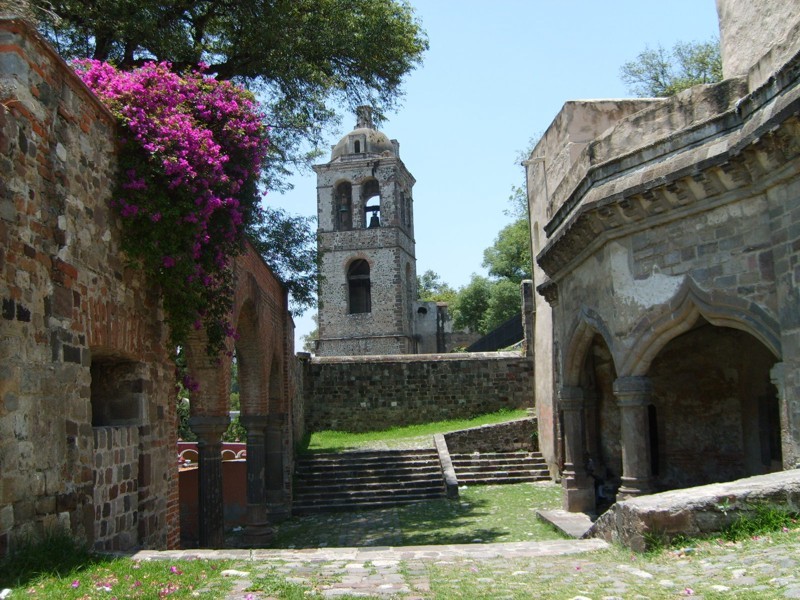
(58, 568)
(339, 441)
(482, 514)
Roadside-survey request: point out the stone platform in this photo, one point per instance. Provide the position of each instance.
(695, 511)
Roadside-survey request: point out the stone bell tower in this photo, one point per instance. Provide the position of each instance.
(367, 297)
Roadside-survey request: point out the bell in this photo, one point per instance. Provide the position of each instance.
(374, 221)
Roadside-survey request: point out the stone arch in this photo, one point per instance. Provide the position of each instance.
(370, 188)
(585, 327)
(718, 415)
(359, 292)
(343, 205)
(656, 329)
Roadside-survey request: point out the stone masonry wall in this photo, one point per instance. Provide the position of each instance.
(373, 393)
(116, 485)
(501, 437)
(70, 309)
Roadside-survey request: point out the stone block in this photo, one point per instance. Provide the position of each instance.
(700, 510)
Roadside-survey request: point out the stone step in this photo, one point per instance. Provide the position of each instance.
(334, 486)
(301, 509)
(315, 470)
(367, 494)
(500, 467)
(374, 479)
(363, 456)
(501, 477)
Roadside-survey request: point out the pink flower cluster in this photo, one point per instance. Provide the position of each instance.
(192, 151)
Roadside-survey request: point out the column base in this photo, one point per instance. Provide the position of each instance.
(632, 488)
(579, 495)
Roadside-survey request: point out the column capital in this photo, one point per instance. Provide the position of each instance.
(570, 397)
(633, 391)
(209, 429)
(254, 422)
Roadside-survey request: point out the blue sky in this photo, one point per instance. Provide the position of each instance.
(496, 75)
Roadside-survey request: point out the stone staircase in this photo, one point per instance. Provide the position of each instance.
(499, 467)
(372, 479)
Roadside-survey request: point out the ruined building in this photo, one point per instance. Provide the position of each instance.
(87, 383)
(667, 241)
(368, 293)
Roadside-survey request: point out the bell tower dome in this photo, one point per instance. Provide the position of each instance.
(366, 240)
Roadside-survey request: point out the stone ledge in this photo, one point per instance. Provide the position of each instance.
(694, 511)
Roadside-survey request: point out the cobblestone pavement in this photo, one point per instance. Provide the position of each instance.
(568, 569)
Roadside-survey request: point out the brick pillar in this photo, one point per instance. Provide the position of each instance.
(633, 397)
(209, 430)
(578, 487)
(257, 531)
(278, 499)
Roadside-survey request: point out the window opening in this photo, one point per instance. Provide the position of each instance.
(359, 287)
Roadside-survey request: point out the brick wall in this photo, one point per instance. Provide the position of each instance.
(373, 393)
(70, 305)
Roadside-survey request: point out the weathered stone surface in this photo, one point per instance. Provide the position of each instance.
(500, 437)
(695, 511)
(371, 393)
(667, 247)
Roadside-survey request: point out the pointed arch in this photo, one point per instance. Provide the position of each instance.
(663, 324)
(586, 325)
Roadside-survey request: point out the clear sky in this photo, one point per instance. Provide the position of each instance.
(496, 75)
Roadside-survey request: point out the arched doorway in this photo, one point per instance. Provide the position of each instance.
(715, 408)
(602, 422)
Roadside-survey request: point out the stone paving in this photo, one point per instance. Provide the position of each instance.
(563, 569)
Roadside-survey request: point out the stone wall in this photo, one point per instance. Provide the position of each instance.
(73, 314)
(666, 252)
(373, 393)
(116, 487)
(501, 437)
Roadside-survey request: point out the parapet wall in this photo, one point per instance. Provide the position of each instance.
(357, 393)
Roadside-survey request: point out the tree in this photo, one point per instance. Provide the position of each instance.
(300, 56)
(289, 246)
(431, 288)
(471, 304)
(657, 73)
(505, 301)
(509, 257)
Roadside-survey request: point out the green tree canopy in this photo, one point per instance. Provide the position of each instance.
(505, 301)
(300, 56)
(431, 288)
(471, 303)
(510, 255)
(657, 72)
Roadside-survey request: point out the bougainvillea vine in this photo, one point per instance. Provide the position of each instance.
(191, 151)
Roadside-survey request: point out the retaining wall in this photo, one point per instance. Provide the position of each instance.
(358, 393)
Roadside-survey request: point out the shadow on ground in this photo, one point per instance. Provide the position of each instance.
(435, 522)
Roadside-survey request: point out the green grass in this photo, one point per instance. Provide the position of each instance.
(763, 520)
(56, 567)
(338, 441)
(482, 514)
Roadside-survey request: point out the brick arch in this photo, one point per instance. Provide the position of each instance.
(663, 324)
(252, 380)
(586, 325)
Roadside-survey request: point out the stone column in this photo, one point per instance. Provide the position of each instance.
(257, 531)
(578, 487)
(277, 483)
(209, 430)
(633, 397)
